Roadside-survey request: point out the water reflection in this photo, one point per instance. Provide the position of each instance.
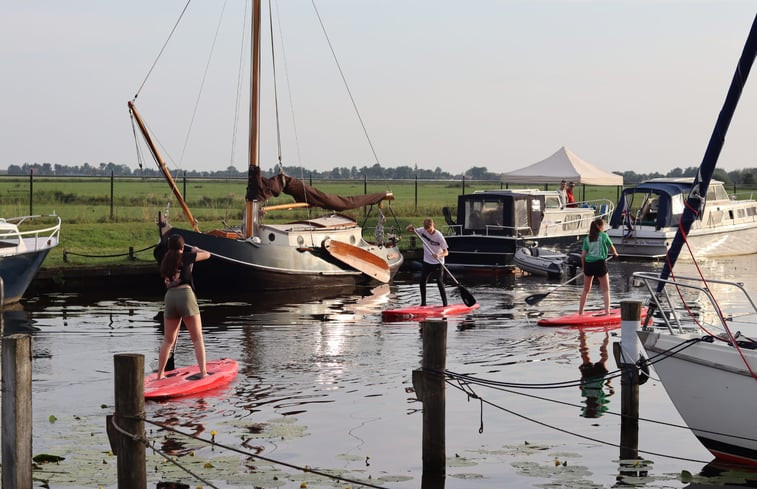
(322, 382)
(593, 383)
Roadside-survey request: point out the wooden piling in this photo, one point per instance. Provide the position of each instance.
(630, 314)
(430, 387)
(17, 411)
(128, 417)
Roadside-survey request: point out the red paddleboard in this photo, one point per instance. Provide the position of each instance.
(419, 313)
(589, 318)
(187, 381)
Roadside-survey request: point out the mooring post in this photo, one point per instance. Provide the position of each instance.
(128, 420)
(17, 411)
(630, 314)
(429, 387)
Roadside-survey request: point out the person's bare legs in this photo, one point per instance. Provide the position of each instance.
(170, 332)
(194, 326)
(585, 293)
(604, 282)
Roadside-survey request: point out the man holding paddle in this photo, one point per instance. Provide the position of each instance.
(434, 251)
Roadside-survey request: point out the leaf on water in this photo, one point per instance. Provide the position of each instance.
(52, 418)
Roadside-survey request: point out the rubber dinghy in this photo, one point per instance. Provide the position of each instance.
(589, 318)
(419, 313)
(186, 381)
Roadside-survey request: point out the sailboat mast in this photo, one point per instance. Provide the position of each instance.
(252, 207)
(163, 167)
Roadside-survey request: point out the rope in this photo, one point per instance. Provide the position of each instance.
(66, 252)
(267, 459)
(589, 438)
(202, 84)
(173, 29)
(143, 438)
(715, 303)
(344, 79)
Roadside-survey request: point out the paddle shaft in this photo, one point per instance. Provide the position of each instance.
(533, 299)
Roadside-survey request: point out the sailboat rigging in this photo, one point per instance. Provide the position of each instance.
(315, 252)
(707, 367)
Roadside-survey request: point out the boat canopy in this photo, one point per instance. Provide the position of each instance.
(261, 188)
(658, 204)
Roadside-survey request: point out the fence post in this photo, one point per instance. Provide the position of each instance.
(17, 411)
(463, 192)
(416, 191)
(31, 192)
(130, 406)
(185, 186)
(111, 195)
(429, 387)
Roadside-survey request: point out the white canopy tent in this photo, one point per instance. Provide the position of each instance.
(563, 165)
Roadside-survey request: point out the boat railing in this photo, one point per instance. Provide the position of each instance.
(602, 207)
(687, 298)
(39, 237)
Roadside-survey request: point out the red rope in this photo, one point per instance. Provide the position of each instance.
(715, 302)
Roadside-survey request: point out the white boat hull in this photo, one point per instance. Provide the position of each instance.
(698, 380)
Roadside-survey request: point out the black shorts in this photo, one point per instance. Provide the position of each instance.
(595, 268)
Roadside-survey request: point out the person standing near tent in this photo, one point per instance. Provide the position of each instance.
(563, 194)
(596, 248)
(434, 250)
(570, 198)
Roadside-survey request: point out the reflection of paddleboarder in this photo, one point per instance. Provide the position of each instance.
(592, 378)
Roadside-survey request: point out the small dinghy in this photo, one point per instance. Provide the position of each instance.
(540, 261)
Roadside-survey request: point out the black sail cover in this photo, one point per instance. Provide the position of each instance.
(261, 188)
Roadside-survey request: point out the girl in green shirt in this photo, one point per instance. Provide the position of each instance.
(596, 248)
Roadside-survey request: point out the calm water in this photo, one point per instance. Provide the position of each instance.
(324, 383)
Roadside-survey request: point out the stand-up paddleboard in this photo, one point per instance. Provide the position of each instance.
(186, 381)
(589, 318)
(419, 313)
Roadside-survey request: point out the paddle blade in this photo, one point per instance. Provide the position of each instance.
(467, 297)
(170, 363)
(535, 299)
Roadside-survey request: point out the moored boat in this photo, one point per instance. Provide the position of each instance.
(646, 219)
(492, 225)
(325, 250)
(540, 261)
(705, 352)
(24, 244)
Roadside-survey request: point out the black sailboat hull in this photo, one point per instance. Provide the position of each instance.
(250, 265)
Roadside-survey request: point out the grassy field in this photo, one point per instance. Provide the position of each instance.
(101, 218)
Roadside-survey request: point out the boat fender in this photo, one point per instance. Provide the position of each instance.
(643, 365)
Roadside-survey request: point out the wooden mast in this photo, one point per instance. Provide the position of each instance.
(252, 207)
(163, 167)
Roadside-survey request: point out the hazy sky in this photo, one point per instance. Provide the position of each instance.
(626, 85)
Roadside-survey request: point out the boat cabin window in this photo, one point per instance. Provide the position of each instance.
(552, 202)
(716, 191)
(480, 214)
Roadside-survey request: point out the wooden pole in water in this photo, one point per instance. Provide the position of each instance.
(429, 387)
(130, 407)
(630, 314)
(17, 411)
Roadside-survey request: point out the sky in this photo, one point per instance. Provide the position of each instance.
(626, 85)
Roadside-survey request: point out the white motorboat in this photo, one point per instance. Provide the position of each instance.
(646, 220)
(24, 244)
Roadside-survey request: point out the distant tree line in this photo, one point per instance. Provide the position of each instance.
(746, 176)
